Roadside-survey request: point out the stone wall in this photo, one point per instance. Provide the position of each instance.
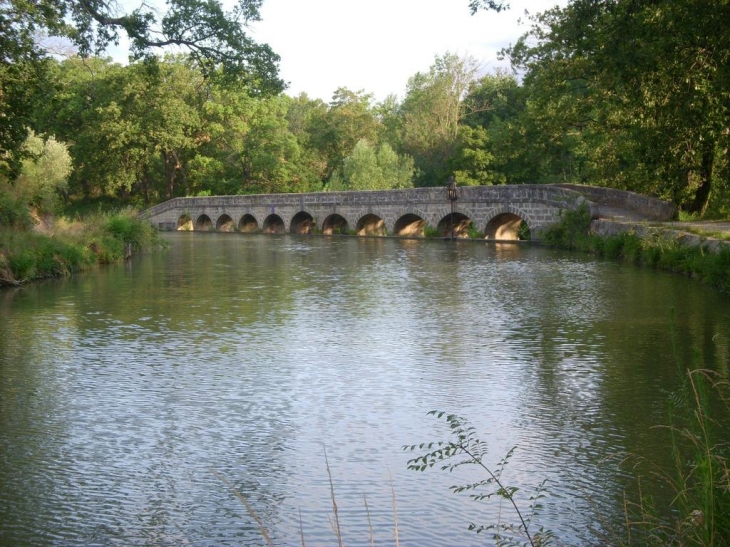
(608, 228)
(643, 206)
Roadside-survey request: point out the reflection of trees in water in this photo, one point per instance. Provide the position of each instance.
(569, 363)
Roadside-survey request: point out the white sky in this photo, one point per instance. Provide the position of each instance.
(376, 45)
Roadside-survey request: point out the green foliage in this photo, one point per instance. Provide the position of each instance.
(14, 211)
(431, 113)
(466, 449)
(474, 232)
(368, 169)
(573, 233)
(431, 232)
(44, 175)
(215, 39)
(216, 42)
(103, 238)
(472, 162)
(523, 232)
(335, 131)
(27, 255)
(129, 230)
(630, 95)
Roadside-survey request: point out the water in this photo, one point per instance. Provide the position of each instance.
(138, 402)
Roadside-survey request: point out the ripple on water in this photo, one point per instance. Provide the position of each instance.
(126, 395)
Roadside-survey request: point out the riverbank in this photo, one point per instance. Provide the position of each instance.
(648, 244)
(59, 247)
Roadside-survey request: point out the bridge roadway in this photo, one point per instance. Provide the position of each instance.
(492, 212)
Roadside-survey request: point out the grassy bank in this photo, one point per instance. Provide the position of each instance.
(63, 247)
(574, 233)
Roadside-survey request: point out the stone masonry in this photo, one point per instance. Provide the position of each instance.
(486, 207)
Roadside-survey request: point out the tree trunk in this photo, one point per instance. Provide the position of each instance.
(702, 195)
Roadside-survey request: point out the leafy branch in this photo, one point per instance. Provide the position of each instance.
(467, 449)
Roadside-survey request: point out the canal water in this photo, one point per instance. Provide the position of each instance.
(165, 400)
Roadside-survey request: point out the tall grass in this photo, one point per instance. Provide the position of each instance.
(699, 479)
(71, 246)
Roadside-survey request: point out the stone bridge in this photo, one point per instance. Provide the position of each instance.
(491, 212)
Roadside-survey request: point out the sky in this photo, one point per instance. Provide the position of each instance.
(377, 45)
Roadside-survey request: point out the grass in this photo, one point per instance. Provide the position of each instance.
(573, 233)
(334, 519)
(71, 246)
(698, 417)
(704, 232)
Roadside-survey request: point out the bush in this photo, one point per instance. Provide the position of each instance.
(13, 212)
(127, 228)
(23, 265)
(101, 239)
(572, 232)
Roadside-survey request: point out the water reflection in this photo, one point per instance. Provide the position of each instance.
(121, 391)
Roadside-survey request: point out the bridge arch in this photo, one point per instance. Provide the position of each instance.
(224, 224)
(273, 224)
(463, 225)
(506, 224)
(371, 225)
(185, 223)
(203, 224)
(410, 224)
(302, 223)
(335, 224)
(248, 224)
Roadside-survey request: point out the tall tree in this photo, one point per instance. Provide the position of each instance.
(370, 169)
(349, 119)
(431, 113)
(646, 85)
(216, 40)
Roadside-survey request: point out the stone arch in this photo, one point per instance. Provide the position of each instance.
(273, 224)
(335, 224)
(371, 225)
(302, 223)
(203, 224)
(185, 223)
(410, 224)
(463, 225)
(224, 224)
(507, 224)
(248, 224)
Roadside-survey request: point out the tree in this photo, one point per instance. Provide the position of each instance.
(644, 85)
(349, 119)
(431, 112)
(132, 128)
(493, 97)
(370, 169)
(43, 178)
(249, 144)
(215, 39)
(472, 163)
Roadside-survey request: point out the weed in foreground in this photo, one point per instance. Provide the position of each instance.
(466, 448)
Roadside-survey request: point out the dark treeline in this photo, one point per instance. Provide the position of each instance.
(633, 95)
